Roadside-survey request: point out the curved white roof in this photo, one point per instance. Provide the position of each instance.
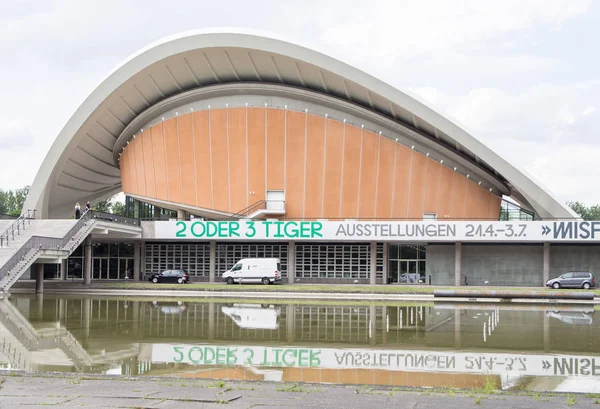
(80, 165)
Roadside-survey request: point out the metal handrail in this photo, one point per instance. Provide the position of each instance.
(16, 226)
(245, 212)
(38, 243)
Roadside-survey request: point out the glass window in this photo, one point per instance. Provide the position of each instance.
(100, 250)
(237, 267)
(125, 250)
(567, 275)
(113, 250)
(409, 252)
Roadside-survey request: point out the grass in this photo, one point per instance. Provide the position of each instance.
(477, 400)
(216, 384)
(316, 288)
(291, 388)
(571, 401)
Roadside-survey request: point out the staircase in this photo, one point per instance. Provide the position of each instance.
(49, 238)
(262, 207)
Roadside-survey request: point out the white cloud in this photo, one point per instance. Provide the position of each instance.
(392, 28)
(550, 130)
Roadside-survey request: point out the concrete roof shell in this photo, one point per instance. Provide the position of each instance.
(80, 165)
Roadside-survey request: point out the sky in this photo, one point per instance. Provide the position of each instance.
(522, 76)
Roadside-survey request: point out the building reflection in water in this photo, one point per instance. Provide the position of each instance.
(397, 345)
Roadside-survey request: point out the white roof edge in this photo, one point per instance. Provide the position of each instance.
(541, 200)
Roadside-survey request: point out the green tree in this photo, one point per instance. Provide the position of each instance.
(104, 206)
(586, 212)
(11, 201)
(118, 208)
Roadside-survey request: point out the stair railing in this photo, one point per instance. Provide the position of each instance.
(248, 210)
(39, 243)
(15, 227)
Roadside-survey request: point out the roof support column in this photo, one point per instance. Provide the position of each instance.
(457, 263)
(291, 264)
(212, 262)
(87, 260)
(546, 268)
(373, 266)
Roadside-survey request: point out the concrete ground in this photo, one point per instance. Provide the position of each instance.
(19, 389)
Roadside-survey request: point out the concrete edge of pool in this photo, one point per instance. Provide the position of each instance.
(307, 296)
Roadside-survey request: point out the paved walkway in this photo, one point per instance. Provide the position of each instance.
(66, 391)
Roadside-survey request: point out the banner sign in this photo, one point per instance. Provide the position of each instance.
(392, 360)
(421, 231)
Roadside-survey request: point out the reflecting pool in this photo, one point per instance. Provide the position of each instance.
(508, 346)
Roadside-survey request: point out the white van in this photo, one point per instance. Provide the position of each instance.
(253, 316)
(254, 270)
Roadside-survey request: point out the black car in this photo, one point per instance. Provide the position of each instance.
(170, 276)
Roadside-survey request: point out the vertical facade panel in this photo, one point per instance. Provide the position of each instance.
(125, 174)
(172, 149)
(351, 172)
(471, 202)
(315, 148)
(432, 186)
(404, 157)
(160, 169)
(202, 157)
(294, 184)
(237, 158)
(385, 178)
(333, 168)
(368, 174)
(148, 162)
(220, 158)
(445, 196)
(275, 149)
(186, 163)
(132, 168)
(418, 177)
(139, 165)
(459, 197)
(494, 210)
(256, 155)
(483, 202)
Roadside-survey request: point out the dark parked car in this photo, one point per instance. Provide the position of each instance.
(573, 280)
(170, 276)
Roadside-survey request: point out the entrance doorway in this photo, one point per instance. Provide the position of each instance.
(407, 264)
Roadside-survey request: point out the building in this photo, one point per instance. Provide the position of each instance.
(234, 145)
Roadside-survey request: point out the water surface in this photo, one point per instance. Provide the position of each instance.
(528, 347)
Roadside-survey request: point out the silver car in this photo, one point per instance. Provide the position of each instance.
(573, 280)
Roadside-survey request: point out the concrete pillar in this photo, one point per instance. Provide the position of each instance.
(39, 279)
(546, 332)
(64, 267)
(386, 261)
(291, 265)
(457, 263)
(87, 260)
(87, 318)
(39, 298)
(290, 322)
(136, 317)
(384, 326)
(212, 262)
(457, 333)
(182, 215)
(546, 262)
(137, 250)
(372, 326)
(211, 321)
(143, 258)
(373, 269)
(62, 308)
